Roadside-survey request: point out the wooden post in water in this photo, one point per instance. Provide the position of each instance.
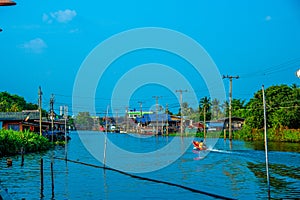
(42, 178)
(22, 155)
(266, 141)
(52, 180)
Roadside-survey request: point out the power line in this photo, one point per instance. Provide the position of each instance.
(273, 69)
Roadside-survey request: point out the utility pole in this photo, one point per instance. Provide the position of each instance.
(156, 100)
(204, 121)
(141, 115)
(181, 113)
(141, 107)
(66, 141)
(117, 118)
(167, 122)
(126, 118)
(230, 101)
(52, 115)
(40, 93)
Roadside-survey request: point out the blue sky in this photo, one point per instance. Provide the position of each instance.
(44, 43)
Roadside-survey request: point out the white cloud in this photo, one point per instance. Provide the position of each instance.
(74, 30)
(60, 16)
(47, 19)
(36, 45)
(268, 18)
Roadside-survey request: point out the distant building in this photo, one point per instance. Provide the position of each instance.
(223, 123)
(96, 123)
(19, 121)
(134, 114)
(27, 120)
(161, 120)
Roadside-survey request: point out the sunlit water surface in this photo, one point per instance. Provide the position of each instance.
(235, 171)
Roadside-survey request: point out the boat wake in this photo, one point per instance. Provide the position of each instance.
(220, 151)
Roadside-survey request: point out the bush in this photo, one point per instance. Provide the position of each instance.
(274, 135)
(11, 142)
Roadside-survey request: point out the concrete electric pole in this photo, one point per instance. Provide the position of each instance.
(40, 93)
(230, 101)
(181, 114)
(156, 101)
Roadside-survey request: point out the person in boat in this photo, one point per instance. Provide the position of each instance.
(201, 145)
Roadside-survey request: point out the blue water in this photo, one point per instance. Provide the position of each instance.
(234, 171)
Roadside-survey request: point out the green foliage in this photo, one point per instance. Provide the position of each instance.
(283, 109)
(274, 135)
(204, 108)
(83, 121)
(238, 108)
(216, 112)
(14, 103)
(11, 142)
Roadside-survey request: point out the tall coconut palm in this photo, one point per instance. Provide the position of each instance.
(216, 108)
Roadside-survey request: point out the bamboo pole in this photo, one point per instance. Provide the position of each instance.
(52, 180)
(266, 141)
(42, 178)
(22, 156)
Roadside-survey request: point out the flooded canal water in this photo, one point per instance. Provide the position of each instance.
(234, 171)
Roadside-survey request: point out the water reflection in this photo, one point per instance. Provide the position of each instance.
(274, 146)
(234, 170)
(282, 178)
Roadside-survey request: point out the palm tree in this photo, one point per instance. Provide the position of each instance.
(225, 108)
(216, 108)
(205, 105)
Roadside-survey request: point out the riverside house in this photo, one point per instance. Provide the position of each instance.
(27, 120)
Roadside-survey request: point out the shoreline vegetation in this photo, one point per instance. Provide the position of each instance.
(17, 142)
(283, 135)
(274, 135)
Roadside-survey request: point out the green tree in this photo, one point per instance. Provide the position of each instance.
(225, 108)
(14, 103)
(215, 109)
(31, 106)
(204, 108)
(83, 121)
(238, 108)
(205, 104)
(282, 108)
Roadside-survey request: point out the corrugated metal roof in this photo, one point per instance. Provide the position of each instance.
(153, 117)
(19, 116)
